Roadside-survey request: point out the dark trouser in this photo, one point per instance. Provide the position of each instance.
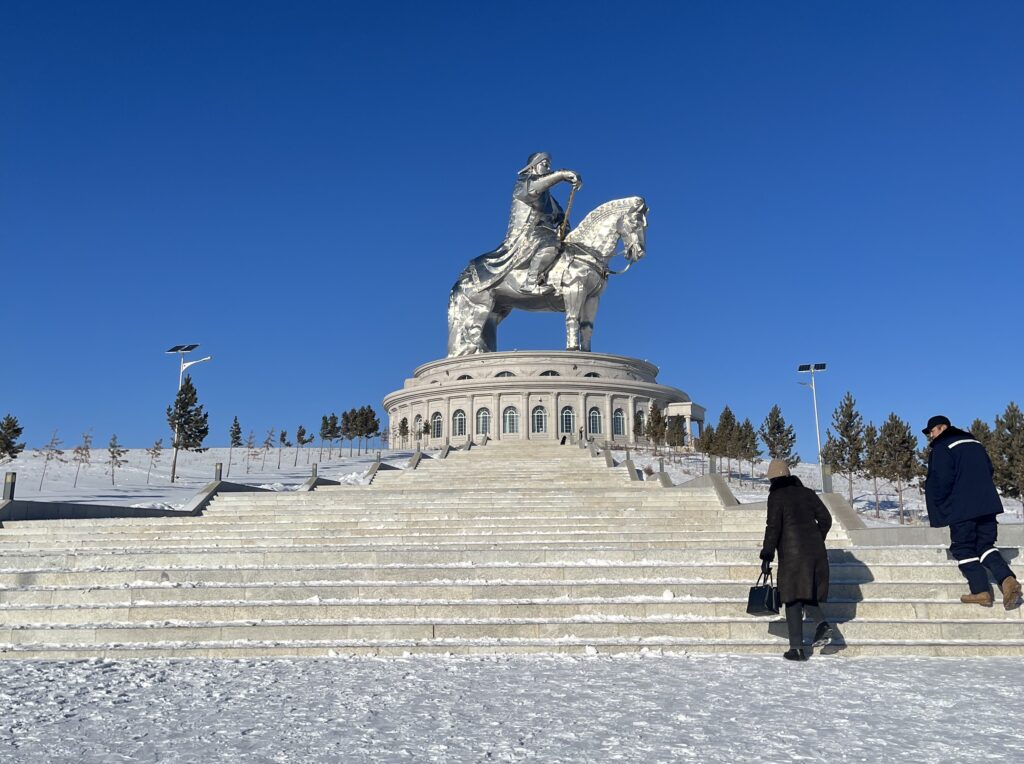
(974, 549)
(795, 619)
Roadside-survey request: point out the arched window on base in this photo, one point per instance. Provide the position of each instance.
(567, 419)
(483, 421)
(539, 419)
(510, 421)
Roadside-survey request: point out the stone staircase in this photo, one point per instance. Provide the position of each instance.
(504, 548)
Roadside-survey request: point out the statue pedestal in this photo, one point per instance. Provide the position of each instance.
(531, 395)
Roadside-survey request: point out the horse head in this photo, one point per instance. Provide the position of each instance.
(620, 219)
(632, 229)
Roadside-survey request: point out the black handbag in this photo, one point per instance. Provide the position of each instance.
(763, 598)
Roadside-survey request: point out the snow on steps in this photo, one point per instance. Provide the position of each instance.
(499, 549)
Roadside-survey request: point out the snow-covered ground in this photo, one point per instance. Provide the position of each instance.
(135, 484)
(642, 708)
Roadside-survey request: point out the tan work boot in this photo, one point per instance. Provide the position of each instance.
(981, 598)
(1011, 592)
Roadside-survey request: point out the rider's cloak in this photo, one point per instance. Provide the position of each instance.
(532, 226)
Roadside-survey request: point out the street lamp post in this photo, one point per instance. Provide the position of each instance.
(182, 365)
(810, 368)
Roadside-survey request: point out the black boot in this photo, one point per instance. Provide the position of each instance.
(822, 634)
(795, 654)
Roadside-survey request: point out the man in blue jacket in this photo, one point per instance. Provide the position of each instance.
(960, 493)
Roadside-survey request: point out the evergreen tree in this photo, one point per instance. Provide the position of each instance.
(325, 433)
(348, 428)
(920, 468)
(656, 426)
(675, 435)
(188, 422)
(365, 420)
(282, 439)
(779, 437)
(985, 436)
(1008, 462)
(154, 456)
(250, 450)
(301, 441)
(748, 448)
(706, 444)
(235, 440)
(50, 452)
(727, 438)
(10, 431)
(897, 448)
(372, 425)
(845, 451)
(874, 467)
(361, 424)
(268, 443)
(638, 425)
(403, 430)
(115, 451)
(333, 433)
(82, 454)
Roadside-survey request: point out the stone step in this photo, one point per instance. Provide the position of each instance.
(378, 530)
(410, 554)
(468, 539)
(481, 506)
(359, 499)
(746, 572)
(485, 609)
(624, 628)
(736, 591)
(220, 528)
(566, 645)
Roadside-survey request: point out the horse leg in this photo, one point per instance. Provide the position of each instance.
(490, 331)
(587, 314)
(574, 298)
(468, 315)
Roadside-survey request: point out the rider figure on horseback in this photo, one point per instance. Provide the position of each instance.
(536, 217)
(532, 236)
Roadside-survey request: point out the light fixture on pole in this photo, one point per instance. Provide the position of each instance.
(181, 350)
(182, 365)
(810, 368)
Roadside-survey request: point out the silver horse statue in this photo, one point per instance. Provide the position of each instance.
(574, 282)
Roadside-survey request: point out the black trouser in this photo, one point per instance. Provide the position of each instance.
(974, 549)
(795, 619)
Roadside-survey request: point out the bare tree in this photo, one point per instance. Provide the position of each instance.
(82, 454)
(116, 452)
(154, 456)
(50, 452)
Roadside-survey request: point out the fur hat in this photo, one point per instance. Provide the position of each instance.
(778, 468)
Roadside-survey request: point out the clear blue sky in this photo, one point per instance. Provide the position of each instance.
(295, 186)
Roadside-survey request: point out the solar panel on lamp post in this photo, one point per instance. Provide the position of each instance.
(183, 364)
(810, 368)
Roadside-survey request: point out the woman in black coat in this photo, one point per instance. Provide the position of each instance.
(796, 527)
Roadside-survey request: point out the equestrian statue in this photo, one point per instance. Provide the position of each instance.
(542, 265)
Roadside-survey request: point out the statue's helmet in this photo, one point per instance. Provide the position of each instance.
(535, 159)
